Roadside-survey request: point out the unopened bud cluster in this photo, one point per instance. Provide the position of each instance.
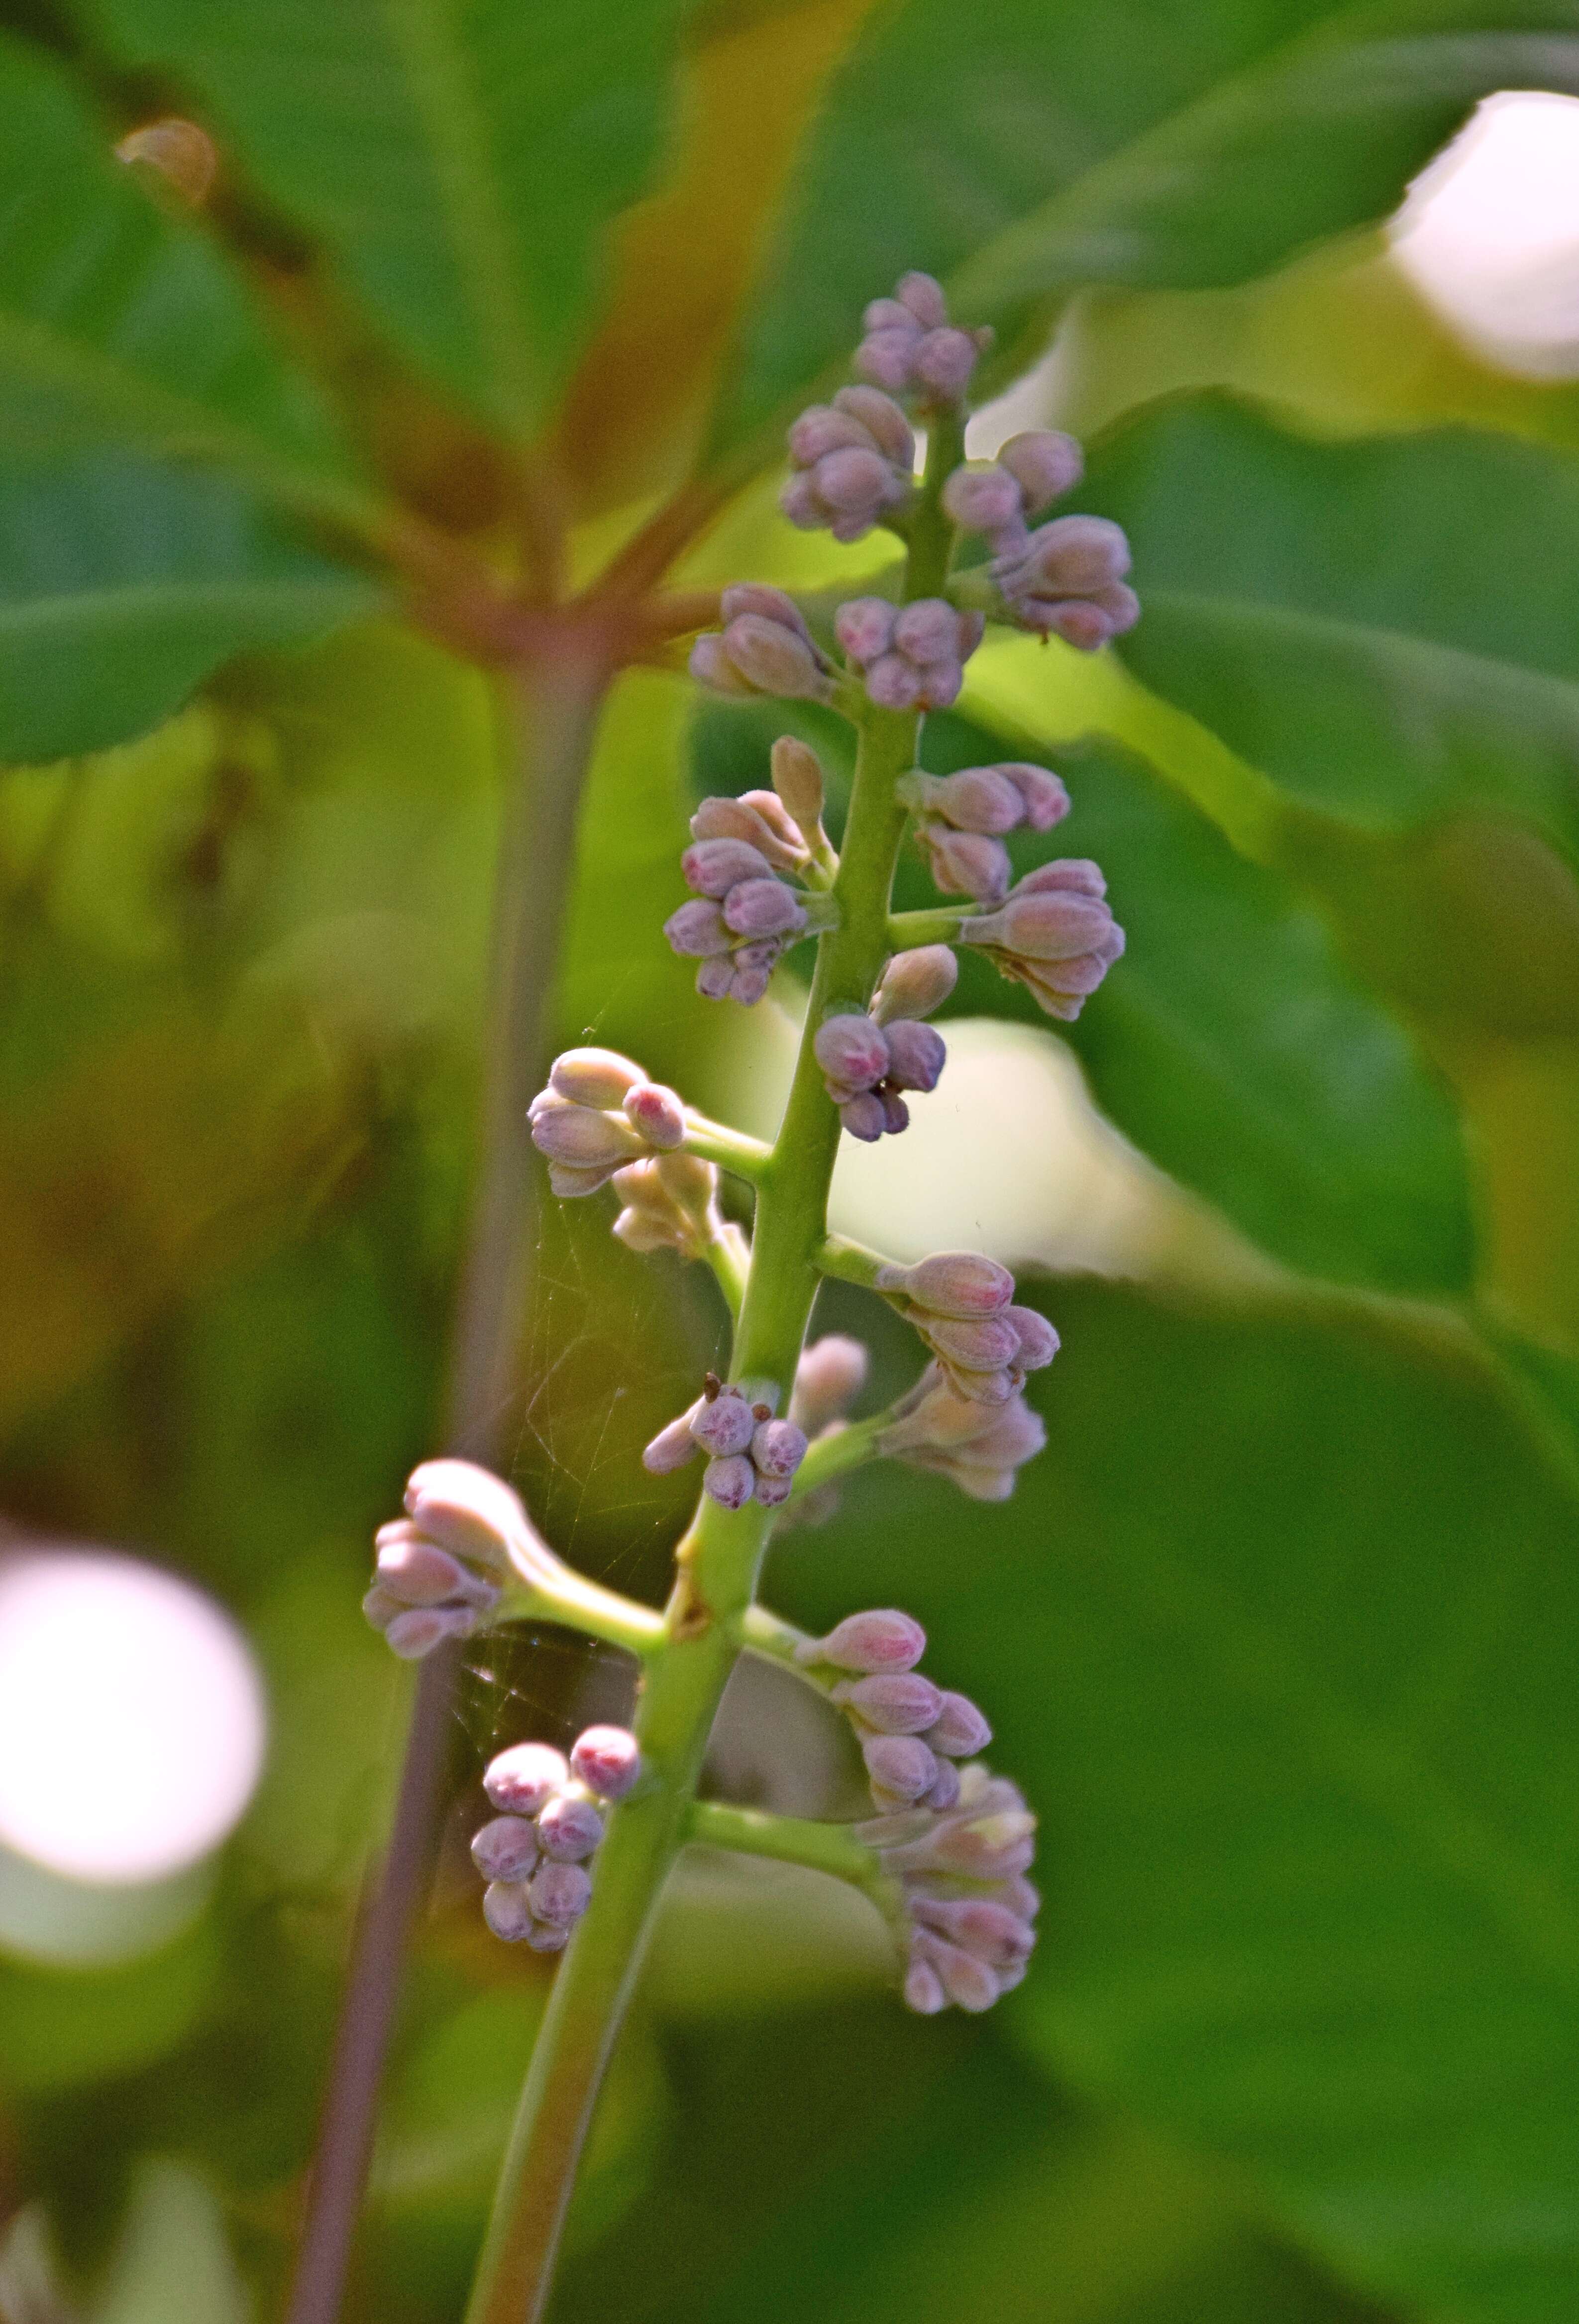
(1053, 932)
(763, 648)
(977, 1445)
(533, 1853)
(751, 1455)
(746, 912)
(911, 349)
(670, 1203)
(1067, 578)
(853, 462)
(911, 656)
(962, 1305)
(829, 1377)
(970, 1910)
(961, 821)
(599, 1112)
(442, 1568)
(909, 1731)
(869, 1056)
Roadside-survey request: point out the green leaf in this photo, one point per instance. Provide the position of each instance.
(1231, 1045)
(1386, 629)
(1279, 1635)
(459, 165)
(119, 319)
(123, 585)
(1025, 152)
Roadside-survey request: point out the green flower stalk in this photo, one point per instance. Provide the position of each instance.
(577, 1852)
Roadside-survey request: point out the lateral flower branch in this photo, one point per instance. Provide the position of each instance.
(578, 1849)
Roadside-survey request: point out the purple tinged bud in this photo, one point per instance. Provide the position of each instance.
(507, 1849)
(917, 1055)
(829, 1377)
(940, 685)
(962, 1283)
(656, 1114)
(716, 978)
(506, 1911)
(1072, 556)
(884, 421)
(1023, 1898)
(888, 315)
(1044, 462)
(520, 1781)
(559, 1894)
(984, 499)
(730, 1480)
(759, 818)
(469, 1511)
(881, 1640)
(852, 1051)
(864, 1117)
(418, 1572)
(411, 1636)
(894, 1702)
(988, 1932)
(1039, 1343)
(894, 683)
(959, 1731)
(712, 867)
(896, 1113)
(884, 357)
(821, 429)
(1067, 875)
(750, 982)
(979, 1484)
(965, 863)
(765, 604)
(797, 782)
(945, 361)
(900, 1766)
(723, 1423)
(709, 664)
(585, 1140)
(853, 480)
(944, 1790)
(595, 1077)
(927, 631)
(772, 658)
(916, 983)
(697, 930)
(764, 908)
(671, 1448)
(864, 628)
(985, 1343)
(987, 1847)
(994, 1388)
(771, 1492)
(380, 1607)
(1046, 800)
(981, 799)
(1048, 926)
(568, 1828)
(923, 1991)
(544, 1937)
(801, 503)
(921, 295)
(607, 1760)
(778, 1448)
(567, 1181)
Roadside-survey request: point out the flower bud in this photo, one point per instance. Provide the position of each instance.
(1072, 875)
(1044, 926)
(764, 908)
(520, 1781)
(984, 499)
(183, 154)
(713, 866)
(984, 1343)
(916, 983)
(986, 1847)
(697, 930)
(656, 1114)
(730, 1480)
(506, 1911)
(568, 1828)
(797, 782)
(1021, 1898)
(771, 1492)
(964, 863)
(600, 1078)
(944, 1790)
(921, 295)
(960, 1283)
(763, 603)
(418, 1572)
(882, 1640)
(586, 1140)
(829, 1377)
(672, 1446)
(380, 1607)
(560, 1893)
(976, 1482)
(778, 1448)
(945, 361)
(758, 817)
(470, 1512)
(980, 798)
(864, 1117)
(990, 1932)
(900, 1766)
(751, 971)
(709, 664)
(1044, 464)
(723, 1423)
(1045, 802)
(894, 683)
(507, 1849)
(894, 1703)
(969, 1983)
(852, 480)
(923, 1992)
(607, 1760)
(772, 658)
(864, 628)
(884, 357)
(884, 421)
(716, 978)
(916, 1056)
(1075, 555)
(1039, 1343)
(413, 1635)
(959, 1731)
(821, 429)
(852, 1051)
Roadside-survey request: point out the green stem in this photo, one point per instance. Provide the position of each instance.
(830, 1848)
(721, 1556)
(584, 1606)
(942, 925)
(714, 1141)
(835, 1454)
(851, 1262)
(729, 1256)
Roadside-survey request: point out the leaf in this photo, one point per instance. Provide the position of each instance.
(1025, 154)
(123, 585)
(1231, 1045)
(1385, 629)
(1279, 1635)
(459, 165)
(118, 319)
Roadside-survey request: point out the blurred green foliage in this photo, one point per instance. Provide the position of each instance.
(1279, 1633)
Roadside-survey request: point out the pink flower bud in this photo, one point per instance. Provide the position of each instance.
(829, 1377)
(1072, 556)
(797, 782)
(671, 1448)
(730, 1480)
(469, 1512)
(568, 1828)
(987, 1387)
(507, 1849)
(709, 664)
(543, 1937)
(892, 683)
(923, 1992)
(821, 429)
(896, 1113)
(1021, 1898)
(697, 929)
(884, 421)
(716, 978)
(916, 1056)
(927, 631)
(900, 1766)
(965, 863)
(976, 1483)
(656, 1114)
(506, 1909)
(801, 503)
(586, 1140)
(864, 628)
(560, 1893)
(521, 1780)
(916, 983)
(982, 1846)
(411, 1636)
(418, 1572)
(989, 1933)
(772, 658)
(854, 481)
(751, 978)
(981, 799)
(864, 1117)
(607, 1760)
(778, 1448)
(944, 1790)
(1067, 875)
(884, 358)
(759, 818)
(852, 1051)
(921, 295)
(1045, 465)
(894, 1703)
(940, 685)
(945, 361)
(1046, 800)
(723, 1423)
(982, 499)
(960, 1283)
(771, 1492)
(764, 908)
(1014, 1436)
(960, 1731)
(888, 315)
(380, 1607)
(595, 1077)
(985, 1343)
(712, 867)
(882, 1640)
(764, 604)
(1039, 1343)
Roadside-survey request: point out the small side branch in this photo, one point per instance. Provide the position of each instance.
(831, 1847)
(731, 1149)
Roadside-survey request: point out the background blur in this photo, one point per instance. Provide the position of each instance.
(1279, 1635)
